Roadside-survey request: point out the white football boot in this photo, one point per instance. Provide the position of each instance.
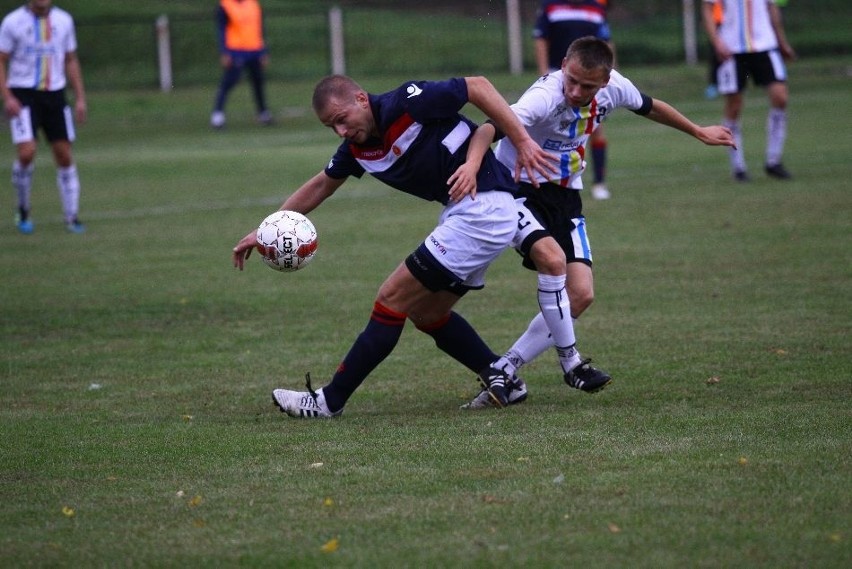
(303, 404)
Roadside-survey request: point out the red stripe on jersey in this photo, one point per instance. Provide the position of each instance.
(393, 133)
(593, 112)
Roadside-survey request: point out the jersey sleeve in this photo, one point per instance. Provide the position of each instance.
(343, 164)
(624, 92)
(534, 104)
(7, 39)
(71, 40)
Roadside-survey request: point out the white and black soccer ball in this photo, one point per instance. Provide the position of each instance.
(287, 241)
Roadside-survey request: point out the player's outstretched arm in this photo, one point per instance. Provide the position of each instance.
(666, 114)
(310, 195)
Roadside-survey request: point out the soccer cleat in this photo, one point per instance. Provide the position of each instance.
(711, 92)
(302, 404)
(778, 171)
(308, 404)
(74, 226)
(516, 392)
(741, 176)
(217, 119)
(493, 382)
(586, 378)
(25, 226)
(600, 192)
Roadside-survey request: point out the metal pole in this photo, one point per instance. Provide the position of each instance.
(164, 53)
(690, 44)
(338, 55)
(516, 52)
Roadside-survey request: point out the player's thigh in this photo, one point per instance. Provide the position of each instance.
(401, 291)
(548, 256)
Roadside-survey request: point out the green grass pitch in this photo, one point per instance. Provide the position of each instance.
(136, 363)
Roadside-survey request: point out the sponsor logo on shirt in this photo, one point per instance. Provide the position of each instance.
(413, 90)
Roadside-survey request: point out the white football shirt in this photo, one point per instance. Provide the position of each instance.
(37, 48)
(562, 130)
(746, 26)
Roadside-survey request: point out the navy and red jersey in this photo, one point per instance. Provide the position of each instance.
(423, 140)
(560, 23)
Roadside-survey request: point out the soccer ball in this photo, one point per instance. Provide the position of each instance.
(287, 241)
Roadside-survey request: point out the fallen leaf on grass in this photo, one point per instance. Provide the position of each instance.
(330, 546)
(614, 528)
(328, 502)
(187, 417)
(195, 501)
(779, 351)
(68, 512)
(713, 380)
(199, 523)
(491, 499)
(743, 461)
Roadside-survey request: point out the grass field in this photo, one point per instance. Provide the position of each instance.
(136, 363)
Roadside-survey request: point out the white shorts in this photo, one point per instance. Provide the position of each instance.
(471, 234)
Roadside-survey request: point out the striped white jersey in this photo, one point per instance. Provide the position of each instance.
(37, 47)
(562, 130)
(746, 26)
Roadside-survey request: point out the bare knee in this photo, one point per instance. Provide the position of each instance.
(26, 153)
(548, 256)
(580, 301)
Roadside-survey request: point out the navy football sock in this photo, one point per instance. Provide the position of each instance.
(457, 338)
(372, 346)
(599, 162)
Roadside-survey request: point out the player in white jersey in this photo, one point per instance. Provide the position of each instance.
(38, 58)
(750, 42)
(560, 111)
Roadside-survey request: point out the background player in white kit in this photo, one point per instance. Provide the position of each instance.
(560, 111)
(750, 42)
(39, 46)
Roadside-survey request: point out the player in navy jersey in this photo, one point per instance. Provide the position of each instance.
(558, 24)
(39, 46)
(560, 111)
(415, 140)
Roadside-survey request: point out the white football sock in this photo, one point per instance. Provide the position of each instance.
(776, 134)
(533, 342)
(69, 191)
(22, 181)
(736, 155)
(556, 309)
